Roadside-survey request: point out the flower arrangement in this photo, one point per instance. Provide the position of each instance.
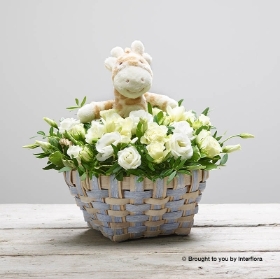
(149, 144)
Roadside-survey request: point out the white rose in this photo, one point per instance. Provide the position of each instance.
(154, 133)
(180, 146)
(74, 151)
(183, 127)
(67, 123)
(129, 158)
(157, 151)
(103, 145)
(207, 144)
(95, 132)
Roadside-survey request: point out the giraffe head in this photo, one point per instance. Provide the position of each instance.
(131, 70)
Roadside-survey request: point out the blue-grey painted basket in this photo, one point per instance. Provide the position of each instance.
(129, 209)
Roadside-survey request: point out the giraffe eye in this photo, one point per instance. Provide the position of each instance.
(120, 63)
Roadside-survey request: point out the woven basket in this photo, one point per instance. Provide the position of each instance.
(129, 209)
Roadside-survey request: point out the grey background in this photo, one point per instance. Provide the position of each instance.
(222, 54)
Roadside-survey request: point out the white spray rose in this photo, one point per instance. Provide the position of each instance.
(67, 123)
(74, 151)
(103, 145)
(207, 144)
(154, 133)
(129, 158)
(180, 146)
(95, 132)
(183, 127)
(157, 151)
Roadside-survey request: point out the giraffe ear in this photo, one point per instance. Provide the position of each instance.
(110, 62)
(147, 57)
(117, 52)
(137, 47)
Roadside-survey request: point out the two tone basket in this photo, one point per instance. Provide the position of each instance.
(129, 209)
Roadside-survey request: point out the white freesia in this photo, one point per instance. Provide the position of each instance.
(67, 124)
(180, 146)
(95, 132)
(183, 127)
(103, 145)
(176, 114)
(157, 151)
(190, 116)
(154, 133)
(137, 115)
(208, 144)
(129, 158)
(74, 151)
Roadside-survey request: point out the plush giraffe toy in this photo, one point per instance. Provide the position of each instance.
(132, 78)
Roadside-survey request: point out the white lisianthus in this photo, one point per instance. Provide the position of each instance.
(67, 124)
(103, 145)
(95, 132)
(129, 158)
(154, 133)
(157, 151)
(77, 132)
(183, 127)
(74, 151)
(203, 120)
(231, 148)
(207, 144)
(46, 146)
(180, 146)
(86, 154)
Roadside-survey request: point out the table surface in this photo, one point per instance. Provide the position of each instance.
(53, 241)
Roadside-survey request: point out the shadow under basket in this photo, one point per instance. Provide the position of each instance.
(129, 209)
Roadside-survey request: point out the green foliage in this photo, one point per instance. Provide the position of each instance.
(59, 142)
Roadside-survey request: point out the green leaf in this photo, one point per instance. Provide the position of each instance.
(150, 109)
(56, 159)
(83, 101)
(172, 175)
(65, 169)
(180, 102)
(205, 112)
(184, 172)
(71, 108)
(224, 159)
(201, 128)
(83, 176)
(49, 167)
(77, 101)
(41, 133)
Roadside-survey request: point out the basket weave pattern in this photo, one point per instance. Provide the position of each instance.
(129, 209)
